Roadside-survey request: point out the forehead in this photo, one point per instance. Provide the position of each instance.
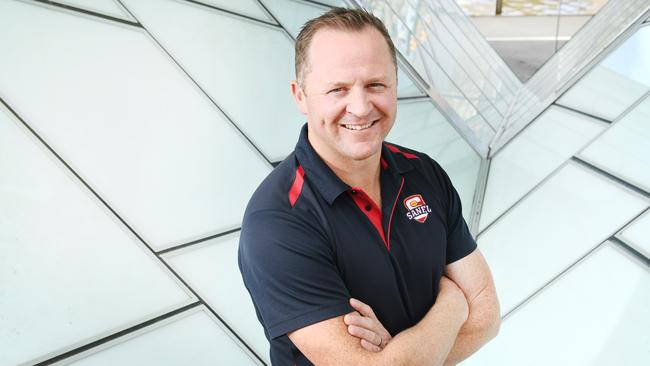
(335, 48)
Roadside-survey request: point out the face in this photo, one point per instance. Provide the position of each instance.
(348, 94)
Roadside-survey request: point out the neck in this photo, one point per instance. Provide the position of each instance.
(362, 174)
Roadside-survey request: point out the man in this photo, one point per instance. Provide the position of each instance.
(354, 250)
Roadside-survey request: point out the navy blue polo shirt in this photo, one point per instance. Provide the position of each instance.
(309, 242)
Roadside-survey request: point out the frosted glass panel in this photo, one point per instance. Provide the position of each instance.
(617, 82)
(70, 272)
(547, 143)
(420, 126)
(631, 59)
(247, 7)
(603, 93)
(568, 215)
(231, 58)
(292, 14)
(638, 234)
(596, 314)
(108, 7)
(625, 148)
(191, 338)
(123, 116)
(211, 269)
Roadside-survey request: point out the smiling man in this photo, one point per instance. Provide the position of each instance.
(354, 250)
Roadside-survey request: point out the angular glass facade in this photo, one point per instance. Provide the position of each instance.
(133, 132)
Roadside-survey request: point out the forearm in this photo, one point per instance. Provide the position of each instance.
(482, 325)
(429, 341)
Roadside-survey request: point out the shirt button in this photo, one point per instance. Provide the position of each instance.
(353, 191)
(368, 207)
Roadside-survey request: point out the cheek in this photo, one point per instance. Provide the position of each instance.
(387, 104)
(332, 112)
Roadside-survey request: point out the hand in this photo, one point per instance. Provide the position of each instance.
(363, 324)
(451, 292)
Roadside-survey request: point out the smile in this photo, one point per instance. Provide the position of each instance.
(360, 127)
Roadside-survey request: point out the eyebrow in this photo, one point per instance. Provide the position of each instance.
(338, 84)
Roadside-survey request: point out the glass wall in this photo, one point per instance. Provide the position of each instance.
(565, 223)
(469, 82)
(559, 72)
(132, 134)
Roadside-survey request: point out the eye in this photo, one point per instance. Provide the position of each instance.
(335, 91)
(377, 86)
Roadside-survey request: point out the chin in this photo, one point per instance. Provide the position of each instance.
(362, 151)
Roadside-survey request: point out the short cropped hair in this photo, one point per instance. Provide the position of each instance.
(339, 19)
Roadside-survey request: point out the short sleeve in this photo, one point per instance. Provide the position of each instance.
(460, 242)
(290, 272)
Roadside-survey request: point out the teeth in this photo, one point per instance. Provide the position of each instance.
(359, 127)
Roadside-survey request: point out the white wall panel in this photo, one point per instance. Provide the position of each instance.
(190, 338)
(624, 149)
(244, 66)
(128, 121)
(563, 219)
(637, 234)
(70, 272)
(211, 269)
(541, 148)
(596, 314)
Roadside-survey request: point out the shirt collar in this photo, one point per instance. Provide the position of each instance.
(325, 180)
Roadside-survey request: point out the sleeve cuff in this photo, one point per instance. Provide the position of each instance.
(315, 316)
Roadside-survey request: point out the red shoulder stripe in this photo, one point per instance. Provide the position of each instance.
(384, 163)
(396, 150)
(296, 187)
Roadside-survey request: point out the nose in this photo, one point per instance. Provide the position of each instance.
(359, 103)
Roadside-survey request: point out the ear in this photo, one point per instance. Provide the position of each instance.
(299, 97)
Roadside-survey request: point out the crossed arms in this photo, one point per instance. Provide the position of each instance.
(464, 317)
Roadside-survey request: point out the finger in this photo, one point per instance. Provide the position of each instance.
(366, 334)
(350, 317)
(363, 322)
(369, 346)
(364, 309)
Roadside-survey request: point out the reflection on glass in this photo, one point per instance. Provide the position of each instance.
(551, 7)
(542, 89)
(478, 7)
(441, 38)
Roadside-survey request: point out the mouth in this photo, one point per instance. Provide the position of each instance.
(360, 127)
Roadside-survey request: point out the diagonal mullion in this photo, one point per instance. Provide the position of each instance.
(88, 12)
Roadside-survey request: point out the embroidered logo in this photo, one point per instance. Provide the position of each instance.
(417, 208)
